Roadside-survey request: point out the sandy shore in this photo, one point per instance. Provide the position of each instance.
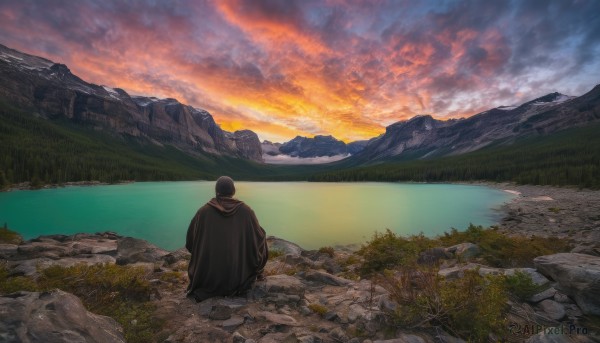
(564, 213)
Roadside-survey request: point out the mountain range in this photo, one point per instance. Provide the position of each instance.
(49, 91)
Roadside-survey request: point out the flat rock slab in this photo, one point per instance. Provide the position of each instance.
(285, 284)
(322, 277)
(132, 250)
(53, 317)
(277, 318)
(30, 267)
(577, 275)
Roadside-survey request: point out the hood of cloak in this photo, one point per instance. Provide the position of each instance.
(225, 205)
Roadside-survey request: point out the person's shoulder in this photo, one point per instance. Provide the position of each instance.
(203, 209)
(245, 208)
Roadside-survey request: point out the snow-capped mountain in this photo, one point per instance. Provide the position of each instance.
(424, 136)
(53, 92)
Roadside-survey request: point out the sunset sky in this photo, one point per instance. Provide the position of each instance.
(347, 68)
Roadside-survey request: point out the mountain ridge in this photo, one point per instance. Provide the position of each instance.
(53, 92)
(425, 137)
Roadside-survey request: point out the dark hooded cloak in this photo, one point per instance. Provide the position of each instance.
(228, 246)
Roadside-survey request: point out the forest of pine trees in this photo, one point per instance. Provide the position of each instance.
(41, 152)
(570, 157)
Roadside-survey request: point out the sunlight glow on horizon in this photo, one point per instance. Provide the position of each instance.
(289, 68)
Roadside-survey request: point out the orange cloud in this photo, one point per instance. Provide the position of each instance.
(287, 68)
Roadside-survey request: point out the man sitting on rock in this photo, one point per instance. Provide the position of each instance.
(228, 246)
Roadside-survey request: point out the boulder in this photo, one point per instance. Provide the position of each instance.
(322, 277)
(546, 294)
(287, 248)
(131, 250)
(54, 316)
(552, 309)
(285, 284)
(433, 256)
(464, 250)
(577, 275)
(177, 256)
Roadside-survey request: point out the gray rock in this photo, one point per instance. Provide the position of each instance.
(30, 267)
(131, 250)
(297, 260)
(322, 277)
(562, 298)
(355, 312)
(8, 251)
(285, 284)
(536, 277)
(577, 275)
(305, 310)
(464, 251)
(339, 334)
(547, 294)
(232, 323)
(178, 255)
(238, 338)
(53, 317)
(287, 248)
(277, 318)
(309, 339)
(278, 338)
(331, 316)
(433, 255)
(459, 271)
(220, 312)
(386, 304)
(589, 249)
(552, 309)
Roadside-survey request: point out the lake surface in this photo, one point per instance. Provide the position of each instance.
(310, 214)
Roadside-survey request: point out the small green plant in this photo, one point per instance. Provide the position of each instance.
(500, 250)
(175, 278)
(388, 250)
(327, 250)
(8, 236)
(470, 307)
(275, 253)
(521, 285)
(121, 292)
(554, 209)
(11, 284)
(318, 309)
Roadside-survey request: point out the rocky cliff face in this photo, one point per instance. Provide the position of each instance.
(314, 147)
(424, 136)
(52, 91)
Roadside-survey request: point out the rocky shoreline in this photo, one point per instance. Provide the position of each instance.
(565, 213)
(314, 296)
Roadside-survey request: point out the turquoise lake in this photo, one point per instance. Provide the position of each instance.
(310, 214)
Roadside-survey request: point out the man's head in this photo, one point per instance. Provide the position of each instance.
(224, 187)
